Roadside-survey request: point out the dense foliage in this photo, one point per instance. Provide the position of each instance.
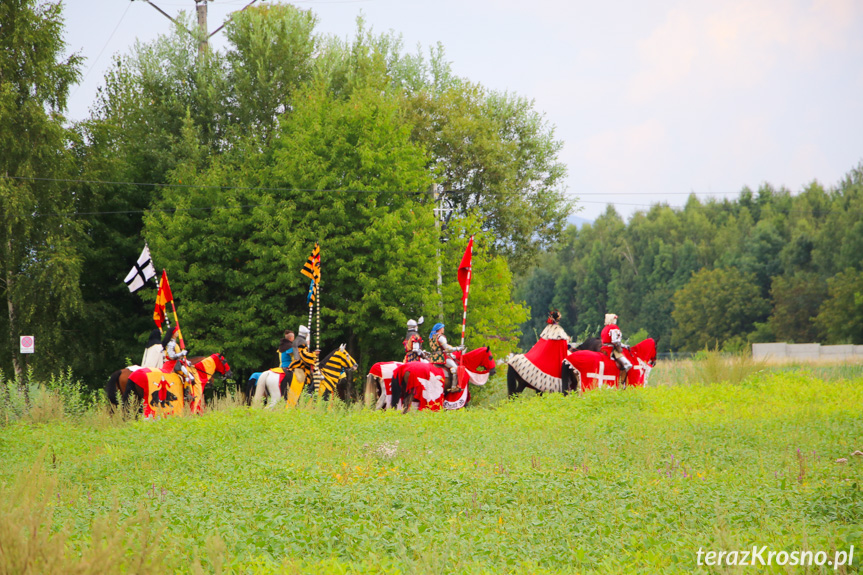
(233, 163)
(40, 264)
(765, 266)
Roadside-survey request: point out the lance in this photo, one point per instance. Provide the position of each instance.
(176, 319)
(469, 256)
(317, 372)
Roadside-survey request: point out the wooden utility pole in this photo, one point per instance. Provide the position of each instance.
(439, 220)
(202, 35)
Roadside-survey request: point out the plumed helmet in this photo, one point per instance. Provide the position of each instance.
(610, 318)
(304, 331)
(412, 324)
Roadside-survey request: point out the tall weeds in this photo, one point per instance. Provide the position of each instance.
(25, 398)
(30, 543)
(707, 367)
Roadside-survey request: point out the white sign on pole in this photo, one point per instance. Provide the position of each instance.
(27, 344)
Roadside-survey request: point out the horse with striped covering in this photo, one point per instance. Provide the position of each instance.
(331, 369)
(326, 378)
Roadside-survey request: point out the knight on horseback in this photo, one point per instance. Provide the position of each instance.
(304, 360)
(612, 343)
(413, 342)
(172, 353)
(441, 354)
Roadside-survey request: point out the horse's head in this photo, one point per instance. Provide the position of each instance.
(222, 365)
(480, 360)
(349, 362)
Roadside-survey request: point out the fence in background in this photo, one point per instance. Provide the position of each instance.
(807, 351)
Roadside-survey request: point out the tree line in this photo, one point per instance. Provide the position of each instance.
(719, 274)
(231, 165)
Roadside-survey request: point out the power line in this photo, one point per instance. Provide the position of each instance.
(280, 189)
(108, 41)
(575, 196)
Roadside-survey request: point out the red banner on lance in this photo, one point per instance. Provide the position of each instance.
(163, 296)
(464, 269)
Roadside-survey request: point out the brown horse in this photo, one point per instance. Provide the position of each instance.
(119, 380)
(151, 386)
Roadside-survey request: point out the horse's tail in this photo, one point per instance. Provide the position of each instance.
(111, 388)
(370, 392)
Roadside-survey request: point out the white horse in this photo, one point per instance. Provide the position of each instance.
(268, 382)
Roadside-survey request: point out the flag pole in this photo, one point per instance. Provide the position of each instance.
(176, 319)
(466, 293)
(158, 290)
(177, 323)
(317, 372)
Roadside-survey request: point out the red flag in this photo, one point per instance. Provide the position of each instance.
(162, 298)
(464, 270)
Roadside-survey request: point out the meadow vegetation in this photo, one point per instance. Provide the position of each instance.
(611, 481)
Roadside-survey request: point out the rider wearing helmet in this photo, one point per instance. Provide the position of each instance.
(173, 353)
(441, 350)
(612, 342)
(413, 342)
(304, 360)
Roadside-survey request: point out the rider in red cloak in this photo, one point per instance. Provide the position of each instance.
(540, 367)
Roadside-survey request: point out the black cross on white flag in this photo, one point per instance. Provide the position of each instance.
(142, 271)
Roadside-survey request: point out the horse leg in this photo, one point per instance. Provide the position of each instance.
(396, 389)
(522, 384)
(260, 389)
(407, 398)
(132, 387)
(272, 384)
(382, 388)
(111, 389)
(512, 382)
(565, 377)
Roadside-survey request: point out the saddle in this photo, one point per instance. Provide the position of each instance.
(451, 382)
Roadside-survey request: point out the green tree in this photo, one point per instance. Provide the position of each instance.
(715, 306)
(493, 153)
(796, 301)
(339, 171)
(493, 318)
(841, 316)
(39, 240)
(270, 57)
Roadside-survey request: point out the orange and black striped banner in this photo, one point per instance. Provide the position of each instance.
(312, 269)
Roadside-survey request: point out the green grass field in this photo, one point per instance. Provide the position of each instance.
(630, 481)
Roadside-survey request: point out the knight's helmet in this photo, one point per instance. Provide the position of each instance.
(413, 325)
(610, 318)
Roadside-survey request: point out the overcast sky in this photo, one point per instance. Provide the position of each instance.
(653, 100)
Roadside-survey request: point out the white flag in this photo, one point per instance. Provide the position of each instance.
(142, 271)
